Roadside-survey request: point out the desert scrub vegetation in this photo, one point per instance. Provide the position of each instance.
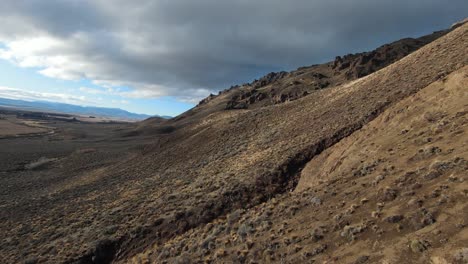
(41, 163)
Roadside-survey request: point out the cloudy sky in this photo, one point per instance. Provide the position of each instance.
(162, 56)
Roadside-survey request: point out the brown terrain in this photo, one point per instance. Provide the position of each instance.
(10, 126)
(360, 160)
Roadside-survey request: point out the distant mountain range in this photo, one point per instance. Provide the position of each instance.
(73, 109)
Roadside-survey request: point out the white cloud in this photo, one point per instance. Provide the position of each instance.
(120, 102)
(92, 90)
(21, 94)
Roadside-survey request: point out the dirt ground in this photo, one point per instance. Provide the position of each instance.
(11, 127)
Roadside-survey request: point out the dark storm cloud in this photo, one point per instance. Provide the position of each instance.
(188, 48)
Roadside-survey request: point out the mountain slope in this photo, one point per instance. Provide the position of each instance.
(237, 159)
(392, 192)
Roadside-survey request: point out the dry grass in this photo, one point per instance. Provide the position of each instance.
(348, 217)
(12, 127)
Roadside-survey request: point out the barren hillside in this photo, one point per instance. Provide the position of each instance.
(220, 185)
(393, 192)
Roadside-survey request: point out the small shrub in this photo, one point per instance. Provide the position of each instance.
(243, 231)
(39, 164)
(461, 256)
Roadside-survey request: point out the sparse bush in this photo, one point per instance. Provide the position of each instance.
(164, 253)
(217, 230)
(39, 164)
(233, 217)
(316, 201)
(434, 116)
(461, 256)
(31, 260)
(418, 246)
(389, 194)
(208, 243)
(184, 258)
(350, 231)
(317, 234)
(243, 231)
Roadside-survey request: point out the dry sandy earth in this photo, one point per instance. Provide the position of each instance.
(13, 127)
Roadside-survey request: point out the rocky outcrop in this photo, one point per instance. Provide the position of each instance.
(280, 87)
(361, 64)
(269, 79)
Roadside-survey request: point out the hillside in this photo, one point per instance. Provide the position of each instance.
(279, 140)
(224, 184)
(392, 192)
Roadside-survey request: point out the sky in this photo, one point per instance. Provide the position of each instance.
(161, 57)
